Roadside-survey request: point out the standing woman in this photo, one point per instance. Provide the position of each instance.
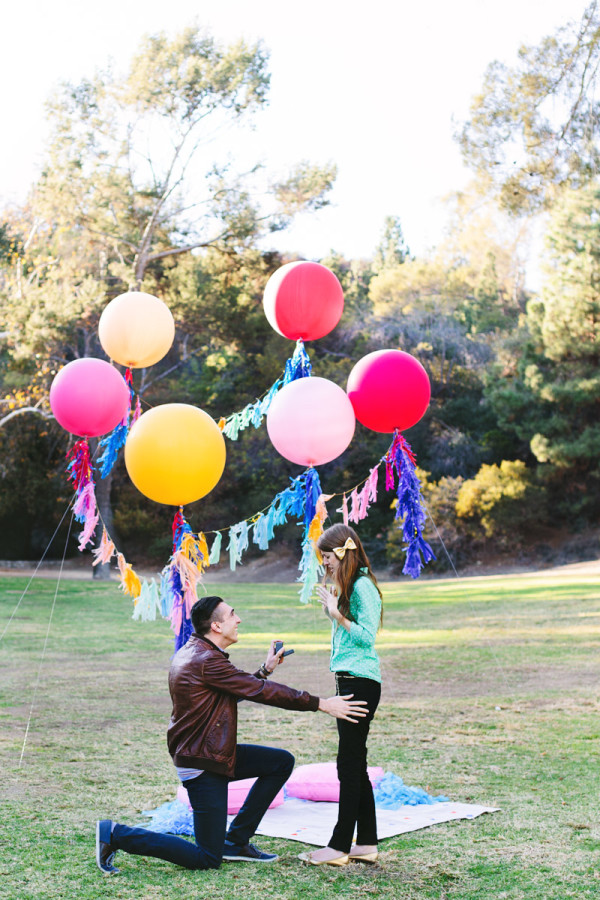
(355, 609)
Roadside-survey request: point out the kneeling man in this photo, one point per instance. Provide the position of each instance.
(205, 689)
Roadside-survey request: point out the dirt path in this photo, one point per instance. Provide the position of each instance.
(283, 569)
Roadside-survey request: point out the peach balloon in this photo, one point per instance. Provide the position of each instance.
(136, 329)
(311, 421)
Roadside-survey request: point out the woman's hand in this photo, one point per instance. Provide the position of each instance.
(329, 602)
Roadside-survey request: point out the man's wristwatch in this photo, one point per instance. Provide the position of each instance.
(264, 671)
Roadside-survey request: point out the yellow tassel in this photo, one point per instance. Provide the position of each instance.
(203, 548)
(196, 550)
(315, 530)
(221, 424)
(130, 583)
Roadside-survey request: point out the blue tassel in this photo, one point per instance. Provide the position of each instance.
(110, 446)
(312, 488)
(299, 366)
(418, 552)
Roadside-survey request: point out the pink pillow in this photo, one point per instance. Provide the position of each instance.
(319, 781)
(236, 794)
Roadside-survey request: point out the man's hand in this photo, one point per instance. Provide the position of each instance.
(344, 707)
(273, 659)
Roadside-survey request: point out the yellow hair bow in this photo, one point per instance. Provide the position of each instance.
(340, 552)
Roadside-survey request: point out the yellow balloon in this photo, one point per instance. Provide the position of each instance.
(136, 329)
(175, 454)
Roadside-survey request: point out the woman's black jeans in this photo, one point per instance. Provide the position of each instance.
(357, 804)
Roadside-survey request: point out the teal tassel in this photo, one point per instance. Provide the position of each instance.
(260, 534)
(234, 558)
(166, 595)
(215, 550)
(310, 571)
(148, 603)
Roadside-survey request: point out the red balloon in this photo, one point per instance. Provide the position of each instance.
(389, 389)
(303, 300)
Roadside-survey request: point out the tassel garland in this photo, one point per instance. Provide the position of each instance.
(299, 366)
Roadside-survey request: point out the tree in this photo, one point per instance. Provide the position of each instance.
(536, 126)
(551, 396)
(126, 196)
(392, 250)
(501, 502)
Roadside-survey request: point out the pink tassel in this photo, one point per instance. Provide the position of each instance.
(85, 510)
(321, 509)
(104, 553)
(354, 512)
(85, 505)
(138, 411)
(89, 528)
(345, 510)
(189, 598)
(369, 492)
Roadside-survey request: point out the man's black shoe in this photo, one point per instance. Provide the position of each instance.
(105, 852)
(248, 853)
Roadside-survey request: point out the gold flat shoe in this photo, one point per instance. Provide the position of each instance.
(363, 857)
(336, 861)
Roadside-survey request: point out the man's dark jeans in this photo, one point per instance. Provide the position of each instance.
(208, 796)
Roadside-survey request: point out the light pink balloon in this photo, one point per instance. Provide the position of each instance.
(311, 421)
(89, 397)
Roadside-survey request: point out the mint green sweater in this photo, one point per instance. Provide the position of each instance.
(354, 651)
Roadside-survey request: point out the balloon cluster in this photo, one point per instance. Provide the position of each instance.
(174, 453)
(312, 421)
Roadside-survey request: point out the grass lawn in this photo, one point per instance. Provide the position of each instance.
(490, 696)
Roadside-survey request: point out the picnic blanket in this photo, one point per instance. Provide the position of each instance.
(312, 823)
(400, 808)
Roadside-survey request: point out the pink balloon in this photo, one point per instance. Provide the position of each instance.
(303, 300)
(310, 421)
(389, 389)
(89, 397)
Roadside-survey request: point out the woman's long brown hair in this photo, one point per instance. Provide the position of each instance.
(349, 568)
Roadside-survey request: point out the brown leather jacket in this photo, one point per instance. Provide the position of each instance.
(205, 688)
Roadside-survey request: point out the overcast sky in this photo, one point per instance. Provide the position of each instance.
(374, 87)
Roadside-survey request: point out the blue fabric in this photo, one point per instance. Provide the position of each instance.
(391, 793)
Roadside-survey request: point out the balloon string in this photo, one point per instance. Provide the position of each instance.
(39, 674)
(41, 560)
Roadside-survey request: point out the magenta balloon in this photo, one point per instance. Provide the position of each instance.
(89, 397)
(303, 300)
(389, 389)
(310, 421)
